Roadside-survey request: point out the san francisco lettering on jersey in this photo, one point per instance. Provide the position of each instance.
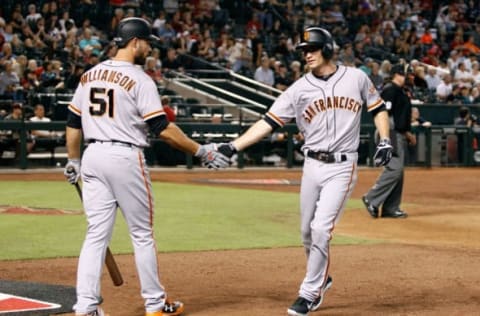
(108, 76)
(322, 105)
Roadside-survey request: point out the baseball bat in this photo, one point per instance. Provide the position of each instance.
(110, 262)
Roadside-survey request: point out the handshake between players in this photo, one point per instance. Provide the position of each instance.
(216, 156)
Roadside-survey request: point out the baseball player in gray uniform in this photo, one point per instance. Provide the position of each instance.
(326, 104)
(113, 106)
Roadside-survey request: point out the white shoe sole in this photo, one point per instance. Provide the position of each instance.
(316, 307)
(291, 312)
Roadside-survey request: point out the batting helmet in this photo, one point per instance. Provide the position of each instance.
(130, 28)
(315, 36)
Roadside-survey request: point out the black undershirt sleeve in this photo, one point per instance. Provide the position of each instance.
(272, 123)
(378, 110)
(74, 120)
(157, 124)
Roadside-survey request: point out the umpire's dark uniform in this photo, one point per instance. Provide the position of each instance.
(387, 191)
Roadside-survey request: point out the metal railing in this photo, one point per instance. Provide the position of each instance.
(436, 144)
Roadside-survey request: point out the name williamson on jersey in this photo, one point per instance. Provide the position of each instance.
(111, 76)
(322, 105)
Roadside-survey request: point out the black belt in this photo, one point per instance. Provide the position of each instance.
(113, 142)
(326, 156)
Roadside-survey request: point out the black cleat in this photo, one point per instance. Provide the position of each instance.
(372, 210)
(302, 306)
(394, 214)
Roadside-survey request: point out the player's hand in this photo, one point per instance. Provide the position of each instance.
(72, 170)
(383, 153)
(211, 157)
(227, 149)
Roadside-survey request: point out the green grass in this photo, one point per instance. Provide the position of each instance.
(187, 218)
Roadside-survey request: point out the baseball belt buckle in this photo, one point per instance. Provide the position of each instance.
(326, 157)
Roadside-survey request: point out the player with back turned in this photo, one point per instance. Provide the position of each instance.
(113, 106)
(326, 104)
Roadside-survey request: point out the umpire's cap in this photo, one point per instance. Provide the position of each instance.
(318, 37)
(133, 27)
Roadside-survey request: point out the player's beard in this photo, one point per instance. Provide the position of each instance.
(139, 59)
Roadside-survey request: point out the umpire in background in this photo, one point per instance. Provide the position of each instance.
(387, 191)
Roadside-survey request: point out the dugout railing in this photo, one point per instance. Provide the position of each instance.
(439, 145)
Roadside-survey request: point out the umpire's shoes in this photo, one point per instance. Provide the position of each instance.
(302, 306)
(372, 210)
(394, 214)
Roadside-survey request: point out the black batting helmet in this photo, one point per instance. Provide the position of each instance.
(318, 37)
(133, 28)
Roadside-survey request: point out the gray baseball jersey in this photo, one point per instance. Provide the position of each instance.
(109, 101)
(114, 100)
(328, 113)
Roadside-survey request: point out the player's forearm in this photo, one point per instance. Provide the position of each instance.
(73, 137)
(254, 134)
(176, 138)
(382, 124)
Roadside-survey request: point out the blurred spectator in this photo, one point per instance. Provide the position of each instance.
(7, 54)
(282, 78)
(73, 80)
(419, 80)
(39, 116)
(50, 76)
(432, 78)
(264, 73)
(171, 61)
(347, 56)
(89, 41)
(453, 60)
(118, 14)
(169, 111)
(9, 82)
(375, 77)
(159, 22)
(475, 72)
(66, 23)
(207, 50)
(240, 56)
(444, 89)
(255, 44)
(466, 118)
(33, 16)
(462, 75)
(385, 69)
(367, 66)
(465, 97)
(295, 70)
(152, 70)
(475, 95)
(470, 46)
(10, 140)
(417, 122)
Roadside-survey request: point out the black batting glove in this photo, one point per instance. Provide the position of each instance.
(383, 153)
(227, 149)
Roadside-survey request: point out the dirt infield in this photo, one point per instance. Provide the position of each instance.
(429, 264)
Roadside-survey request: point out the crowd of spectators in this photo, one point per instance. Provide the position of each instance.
(47, 44)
